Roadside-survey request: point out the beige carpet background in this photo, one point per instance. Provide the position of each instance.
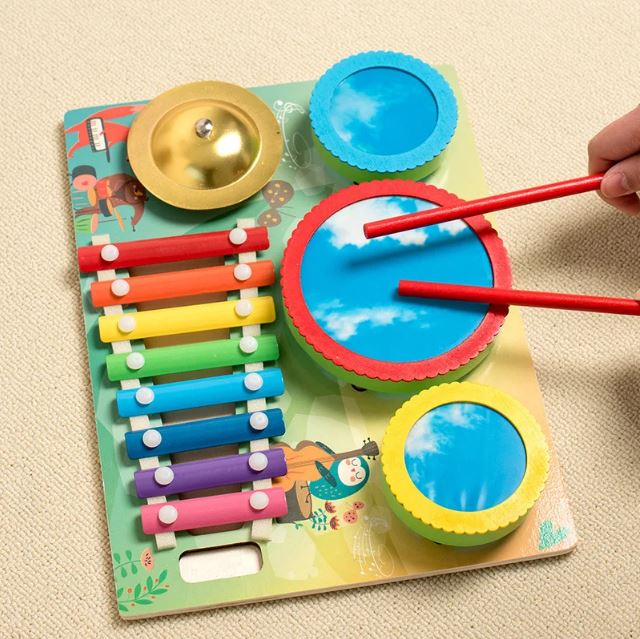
(539, 78)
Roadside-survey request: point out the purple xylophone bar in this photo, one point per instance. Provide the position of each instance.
(210, 473)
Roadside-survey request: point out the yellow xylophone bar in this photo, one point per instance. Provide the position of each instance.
(186, 319)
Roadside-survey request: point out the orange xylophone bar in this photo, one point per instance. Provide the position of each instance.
(160, 286)
(172, 249)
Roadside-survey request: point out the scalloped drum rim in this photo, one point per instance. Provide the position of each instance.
(331, 350)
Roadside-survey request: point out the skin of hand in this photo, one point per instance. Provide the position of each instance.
(615, 151)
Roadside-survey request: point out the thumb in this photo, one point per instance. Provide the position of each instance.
(622, 179)
(621, 183)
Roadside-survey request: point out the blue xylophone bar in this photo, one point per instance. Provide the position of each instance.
(196, 393)
(217, 431)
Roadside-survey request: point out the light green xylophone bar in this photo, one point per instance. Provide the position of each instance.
(191, 357)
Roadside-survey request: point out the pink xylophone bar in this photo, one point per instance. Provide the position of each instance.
(201, 512)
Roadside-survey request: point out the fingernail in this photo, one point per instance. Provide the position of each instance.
(615, 185)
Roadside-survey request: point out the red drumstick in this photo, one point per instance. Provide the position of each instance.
(508, 296)
(483, 205)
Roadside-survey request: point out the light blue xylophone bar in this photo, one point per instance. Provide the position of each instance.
(196, 393)
(217, 431)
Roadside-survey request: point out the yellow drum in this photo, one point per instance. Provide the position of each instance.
(463, 463)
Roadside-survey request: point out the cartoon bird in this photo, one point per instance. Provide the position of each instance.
(344, 478)
(315, 462)
(314, 469)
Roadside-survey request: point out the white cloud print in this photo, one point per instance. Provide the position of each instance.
(423, 438)
(454, 227)
(346, 225)
(352, 108)
(342, 325)
(463, 415)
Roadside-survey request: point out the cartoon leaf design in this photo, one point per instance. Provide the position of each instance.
(129, 555)
(123, 572)
(134, 569)
(139, 596)
(116, 557)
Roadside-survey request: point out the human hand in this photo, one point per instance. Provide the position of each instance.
(616, 151)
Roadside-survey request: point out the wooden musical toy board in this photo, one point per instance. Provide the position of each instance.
(198, 383)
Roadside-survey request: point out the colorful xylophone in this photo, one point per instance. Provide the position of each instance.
(249, 389)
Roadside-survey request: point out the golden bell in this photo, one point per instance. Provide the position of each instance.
(205, 145)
